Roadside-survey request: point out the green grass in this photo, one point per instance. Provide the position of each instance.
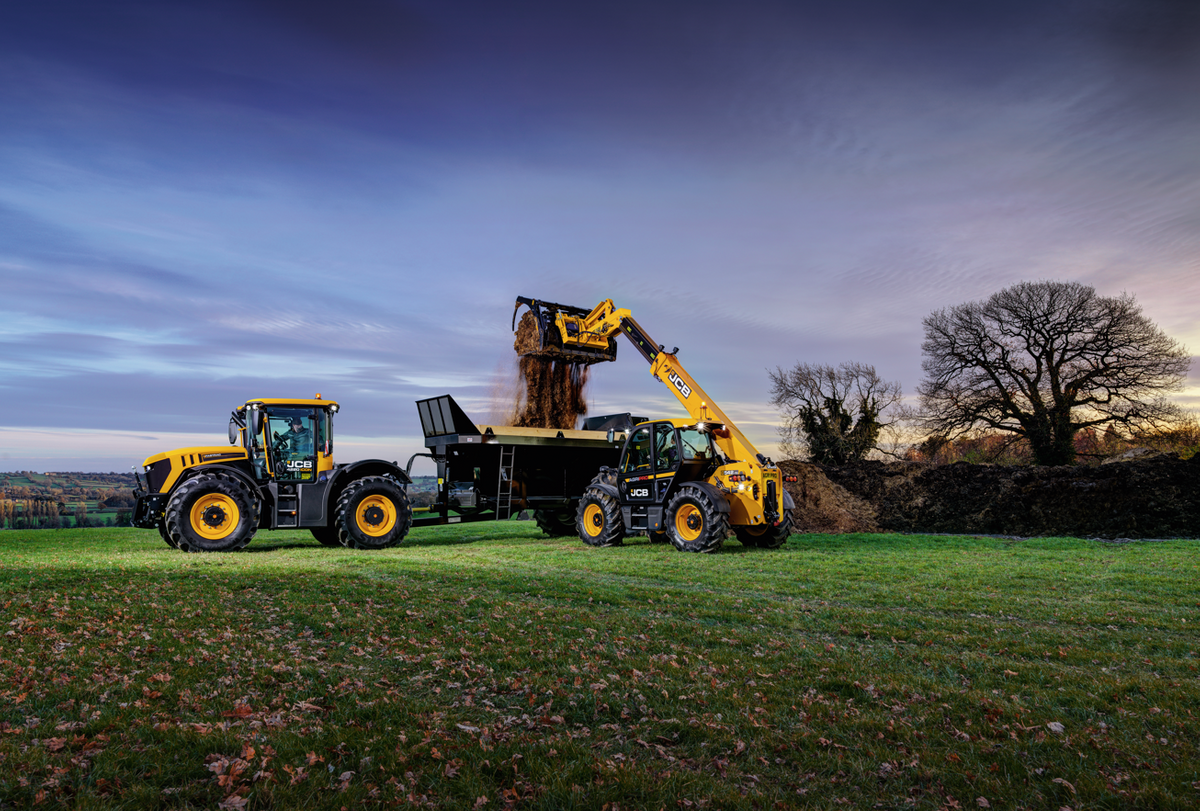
(487, 666)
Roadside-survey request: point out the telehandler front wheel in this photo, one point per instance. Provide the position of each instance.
(373, 513)
(162, 531)
(694, 522)
(598, 520)
(212, 512)
(766, 536)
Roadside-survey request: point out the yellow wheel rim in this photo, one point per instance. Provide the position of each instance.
(215, 516)
(593, 520)
(376, 515)
(689, 522)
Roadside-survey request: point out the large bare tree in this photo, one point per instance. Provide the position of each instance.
(835, 414)
(1044, 360)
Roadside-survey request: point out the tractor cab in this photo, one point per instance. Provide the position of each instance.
(286, 440)
(658, 457)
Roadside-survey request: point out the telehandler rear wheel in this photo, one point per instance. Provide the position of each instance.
(555, 523)
(212, 512)
(598, 520)
(328, 536)
(373, 513)
(765, 536)
(694, 522)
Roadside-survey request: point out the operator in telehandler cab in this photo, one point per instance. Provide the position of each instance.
(214, 499)
(684, 480)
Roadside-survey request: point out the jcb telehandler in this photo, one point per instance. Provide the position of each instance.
(684, 480)
(213, 499)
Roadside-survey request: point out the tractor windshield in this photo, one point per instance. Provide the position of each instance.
(697, 447)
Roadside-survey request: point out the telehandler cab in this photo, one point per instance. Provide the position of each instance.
(684, 480)
(213, 499)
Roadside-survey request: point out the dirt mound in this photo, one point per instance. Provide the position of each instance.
(1150, 498)
(822, 506)
(550, 391)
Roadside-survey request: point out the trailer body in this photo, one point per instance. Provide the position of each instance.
(490, 472)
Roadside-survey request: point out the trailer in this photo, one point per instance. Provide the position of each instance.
(492, 472)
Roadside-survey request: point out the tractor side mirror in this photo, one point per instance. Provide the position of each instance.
(255, 422)
(234, 430)
(612, 435)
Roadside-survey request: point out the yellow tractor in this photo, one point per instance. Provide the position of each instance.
(687, 481)
(279, 475)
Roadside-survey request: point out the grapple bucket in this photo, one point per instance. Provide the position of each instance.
(549, 330)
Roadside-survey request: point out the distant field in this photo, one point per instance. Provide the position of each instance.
(486, 666)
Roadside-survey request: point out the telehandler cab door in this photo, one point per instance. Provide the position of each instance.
(649, 463)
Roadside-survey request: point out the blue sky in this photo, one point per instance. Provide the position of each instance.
(203, 202)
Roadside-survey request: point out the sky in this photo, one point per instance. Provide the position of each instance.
(208, 201)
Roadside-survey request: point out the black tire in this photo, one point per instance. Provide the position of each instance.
(373, 513)
(555, 523)
(162, 530)
(658, 537)
(328, 536)
(766, 536)
(212, 512)
(694, 522)
(598, 520)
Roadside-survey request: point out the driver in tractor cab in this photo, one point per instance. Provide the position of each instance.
(298, 438)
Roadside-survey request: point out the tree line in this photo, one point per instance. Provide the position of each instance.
(1045, 372)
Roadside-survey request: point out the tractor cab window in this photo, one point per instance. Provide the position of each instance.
(637, 451)
(290, 431)
(666, 452)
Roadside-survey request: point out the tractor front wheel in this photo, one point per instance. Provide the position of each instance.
(373, 513)
(211, 512)
(694, 522)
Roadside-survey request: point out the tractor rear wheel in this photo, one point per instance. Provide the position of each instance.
(598, 520)
(766, 536)
(694, 522)
(555, 523)
(212, 512)
(328, 536)
(373, 513)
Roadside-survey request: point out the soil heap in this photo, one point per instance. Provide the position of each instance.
(550, 391)
(1155, 497)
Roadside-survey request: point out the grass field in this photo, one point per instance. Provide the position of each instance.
(485, 666)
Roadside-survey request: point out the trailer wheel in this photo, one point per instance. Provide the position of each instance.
(166, 536)
(212, 512)
(598, 520)
(555, 523)
(328, 536)
(694, 523)
(765, 536)
(373, 513)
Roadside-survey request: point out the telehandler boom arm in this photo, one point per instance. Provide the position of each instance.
(564, 331)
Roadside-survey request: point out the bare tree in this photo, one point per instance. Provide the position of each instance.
(832, 414)
(1044, 360)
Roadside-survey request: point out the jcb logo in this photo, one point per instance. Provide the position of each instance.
(677, 381)
(304, 464)
(639, 492)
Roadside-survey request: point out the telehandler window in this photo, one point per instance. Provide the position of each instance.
(637, 451)
(665, 452)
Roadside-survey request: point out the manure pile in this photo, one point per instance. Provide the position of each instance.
(549, 391)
